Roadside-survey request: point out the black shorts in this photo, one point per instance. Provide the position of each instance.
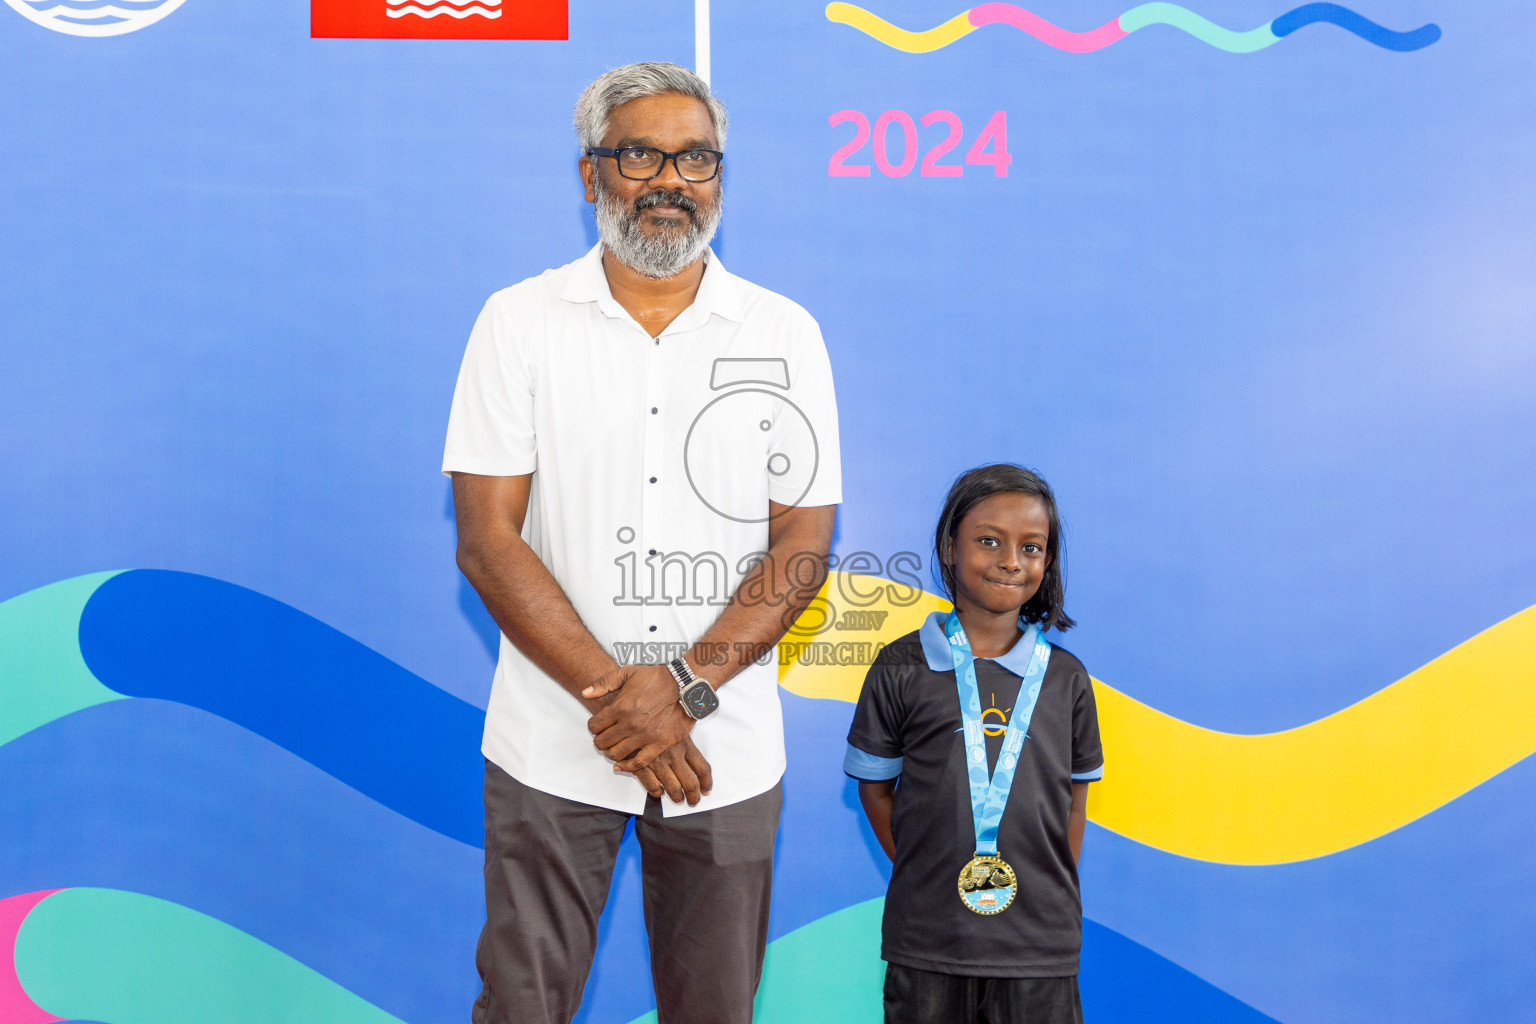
(922, 997)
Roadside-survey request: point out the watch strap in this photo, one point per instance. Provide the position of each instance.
(682, 673)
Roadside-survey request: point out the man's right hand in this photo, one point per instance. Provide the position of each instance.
(680, 771)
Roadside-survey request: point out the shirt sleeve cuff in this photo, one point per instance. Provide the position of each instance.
(506, 465)
(1092, 775)
(868, 767)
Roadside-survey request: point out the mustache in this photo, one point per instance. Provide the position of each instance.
(667, 198)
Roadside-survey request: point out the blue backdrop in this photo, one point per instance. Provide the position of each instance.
(1266, 320)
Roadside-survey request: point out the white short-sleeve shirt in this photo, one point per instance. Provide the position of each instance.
(672, 445)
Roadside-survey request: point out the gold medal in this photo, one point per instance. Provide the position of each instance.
(987, 884)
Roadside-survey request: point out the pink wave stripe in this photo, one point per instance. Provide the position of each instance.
(15, 1006)
(1071, 42)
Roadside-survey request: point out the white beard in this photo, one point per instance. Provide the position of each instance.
(662, 255)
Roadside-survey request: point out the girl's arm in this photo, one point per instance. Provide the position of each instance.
(1077, 820)
(876, 798)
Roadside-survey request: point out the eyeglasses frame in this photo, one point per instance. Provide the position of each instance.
(665, 156)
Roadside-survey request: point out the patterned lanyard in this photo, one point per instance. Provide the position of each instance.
(989, 795)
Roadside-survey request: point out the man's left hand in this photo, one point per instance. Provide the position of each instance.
(642, 721)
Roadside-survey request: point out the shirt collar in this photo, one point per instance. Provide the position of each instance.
(719, 291)
(936, 648)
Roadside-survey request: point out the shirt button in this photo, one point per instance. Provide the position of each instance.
(653, 479)
(653, 629)
(653, 410)
(653, 551)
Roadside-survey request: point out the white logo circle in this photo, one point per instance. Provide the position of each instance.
(730, 422)
(94, 17)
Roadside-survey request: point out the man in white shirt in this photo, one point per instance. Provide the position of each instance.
(645, 467)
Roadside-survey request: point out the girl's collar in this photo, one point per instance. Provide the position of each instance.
(936, 648)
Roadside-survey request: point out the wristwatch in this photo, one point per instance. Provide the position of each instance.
(695, 695)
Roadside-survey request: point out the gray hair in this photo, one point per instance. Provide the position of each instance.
(615, 88)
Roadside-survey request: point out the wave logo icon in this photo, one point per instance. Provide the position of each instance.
(94, 17)
(477, 8)
(437, 19)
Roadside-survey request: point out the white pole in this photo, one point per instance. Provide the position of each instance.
(701, 39)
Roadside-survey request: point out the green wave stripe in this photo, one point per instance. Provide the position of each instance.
(108, 955)
(1202, 29)
(42, 674)
(827, 970)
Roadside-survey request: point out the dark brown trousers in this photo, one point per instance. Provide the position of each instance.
(548, 866)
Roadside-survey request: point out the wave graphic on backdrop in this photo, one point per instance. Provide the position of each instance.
(107, 955)
(364, 892)
(476, 8)
(283, 686)
(16, 1007)
(94, 17)
(1136, 18)
(1293, 795)
(1121, 979)
(189, 808)
(253, 661)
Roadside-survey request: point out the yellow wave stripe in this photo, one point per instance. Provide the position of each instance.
(905, 609)
(900, 38)
(1293, 795)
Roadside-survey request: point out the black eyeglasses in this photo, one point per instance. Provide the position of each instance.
(642, 163)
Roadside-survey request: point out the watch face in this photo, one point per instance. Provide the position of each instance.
(699, 699)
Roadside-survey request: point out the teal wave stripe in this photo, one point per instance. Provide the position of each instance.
(829, 969)
(108, 955)
(42, 673)
(1201, 28)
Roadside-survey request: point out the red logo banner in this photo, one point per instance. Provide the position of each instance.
(437, 19)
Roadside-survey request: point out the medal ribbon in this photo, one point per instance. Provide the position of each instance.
(989, 794)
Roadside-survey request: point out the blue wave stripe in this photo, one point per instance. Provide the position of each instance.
(1122, 980)
(165, 800)
(292, 679)
(1365, 28)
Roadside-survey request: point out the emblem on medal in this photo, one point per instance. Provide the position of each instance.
(987, 884)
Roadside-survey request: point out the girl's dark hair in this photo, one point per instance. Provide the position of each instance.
(971, 489)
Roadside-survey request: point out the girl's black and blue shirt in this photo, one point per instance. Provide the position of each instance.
(907, 726)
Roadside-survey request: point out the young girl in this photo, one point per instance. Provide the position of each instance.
(974, 743)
